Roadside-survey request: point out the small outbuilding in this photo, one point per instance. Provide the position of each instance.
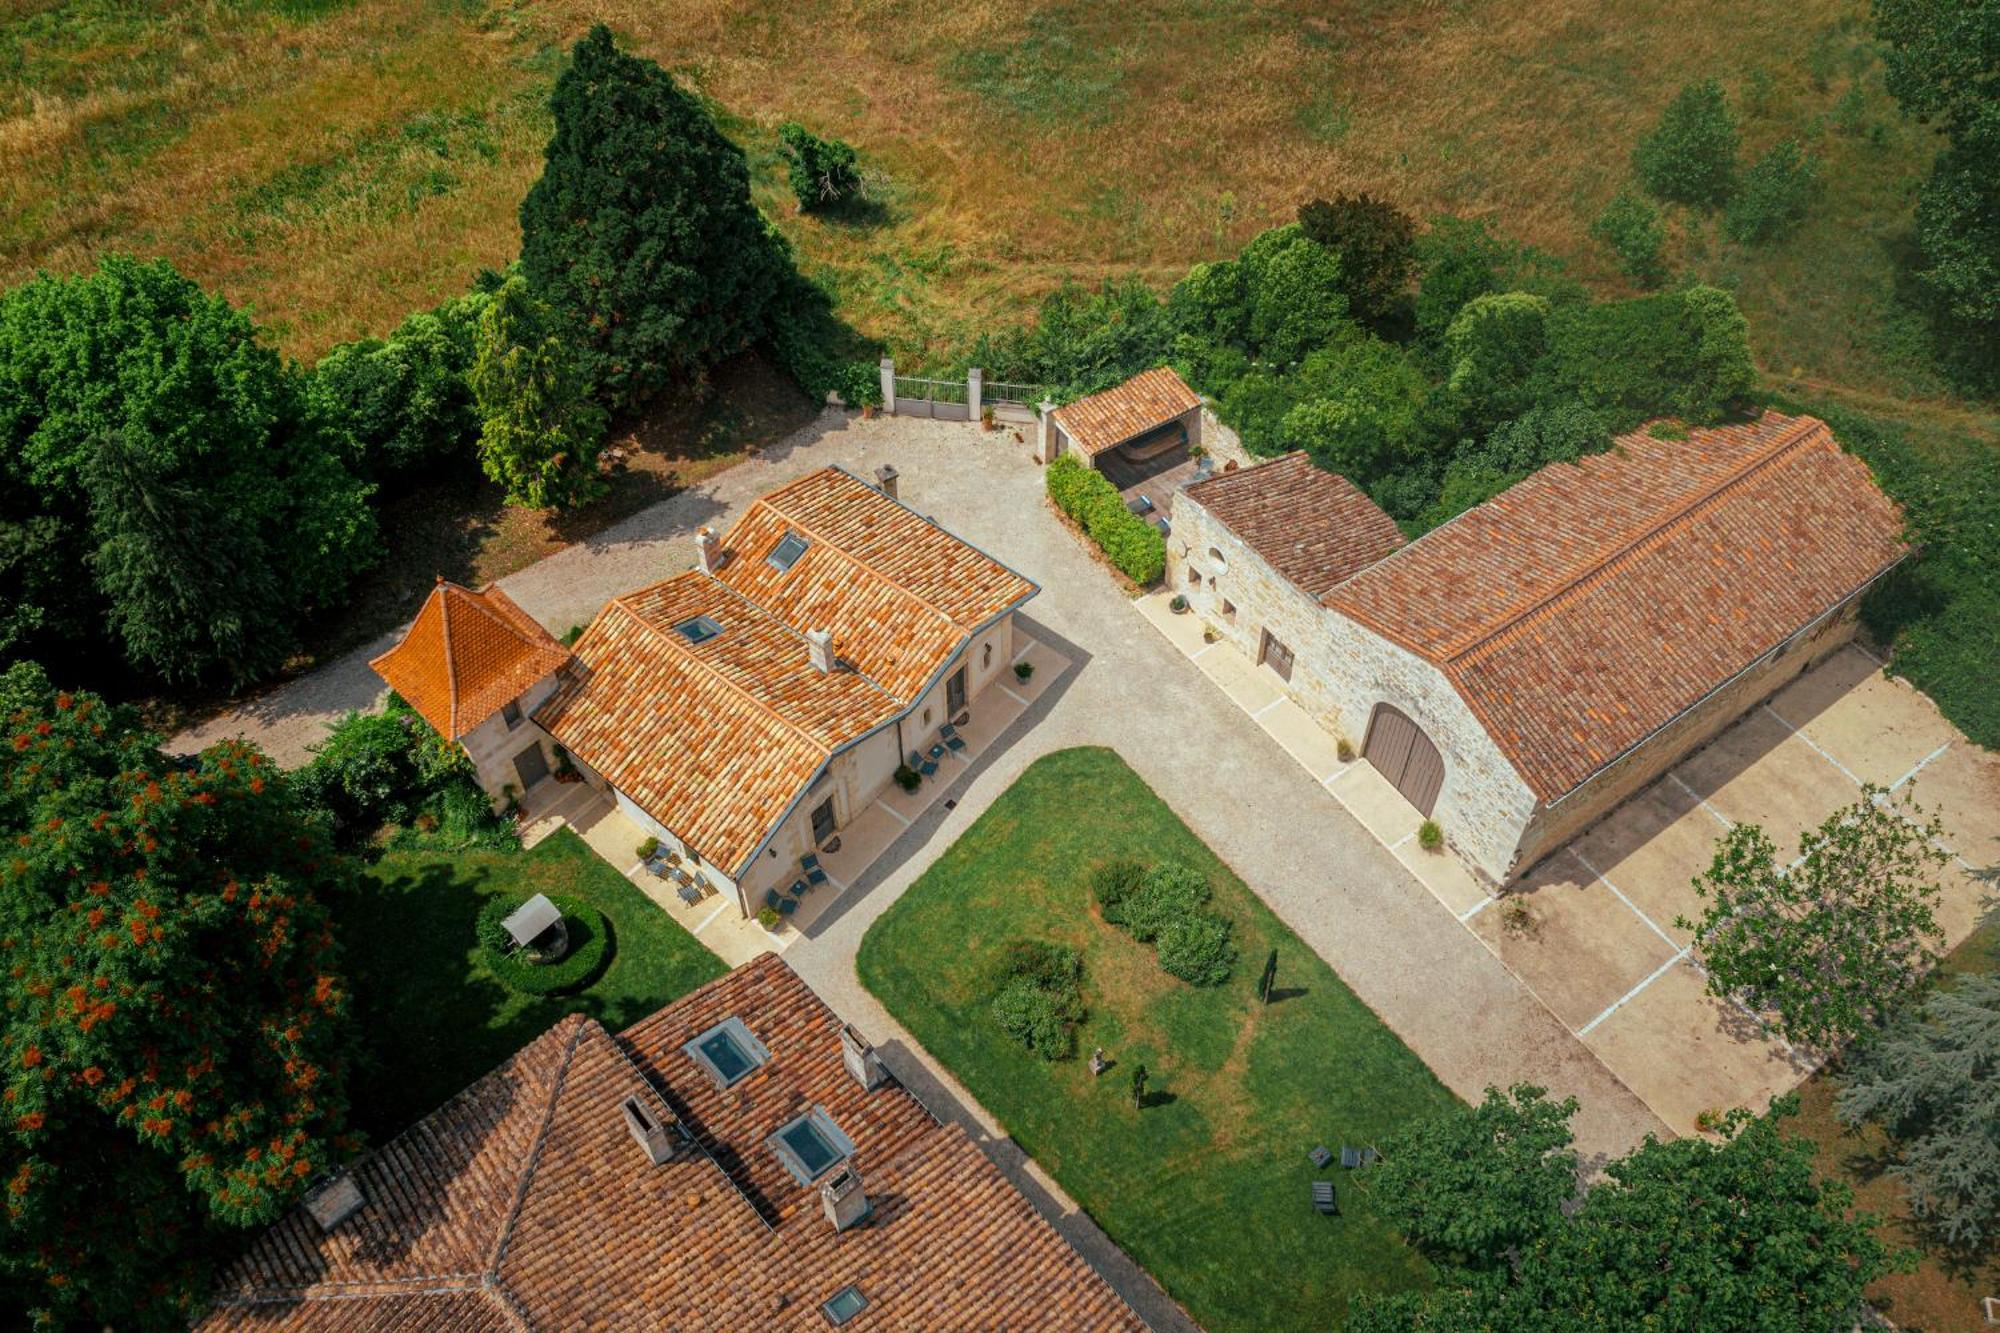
(532, 920)
(1146, 416)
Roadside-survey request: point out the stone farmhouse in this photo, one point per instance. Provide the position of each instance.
(1521, 670)
(747, 710)
(739, 1160)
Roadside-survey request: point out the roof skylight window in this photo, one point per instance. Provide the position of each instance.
(699, 630)
(727, 1051)
(843, 1305)
(787, 552)
(811, 1146)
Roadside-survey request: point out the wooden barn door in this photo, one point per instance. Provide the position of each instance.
(1403, 754)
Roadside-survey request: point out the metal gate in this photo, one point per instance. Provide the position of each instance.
(943, 399)
(1403, 754)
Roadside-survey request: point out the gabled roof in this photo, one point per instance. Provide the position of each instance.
(716, 739)
(1313, 526)
(465, 655)
(523, 1203)
(1584, 608)
(1149, 399)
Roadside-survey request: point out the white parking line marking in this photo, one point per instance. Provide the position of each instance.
(1599, 875)
(1849, 773)
(894, 813)
(1338, 774)
(1195, 656)
(1721, 818)
(1920, 766)
(1400, 841)
(705, 921)
(1011, 695)
(1267, 708)
(634, 869)
(1470, 913)
(1632, 994)
(1025, 651)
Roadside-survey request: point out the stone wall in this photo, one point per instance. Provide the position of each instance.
(492, 744)
(1563, 820)
(1341, 671)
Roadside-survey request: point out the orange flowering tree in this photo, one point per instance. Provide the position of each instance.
(175, 1025)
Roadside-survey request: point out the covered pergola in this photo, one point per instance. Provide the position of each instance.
(1144, 419)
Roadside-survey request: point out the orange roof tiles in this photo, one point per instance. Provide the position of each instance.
(1582, 609)
(715, 740)
(1103, 420)
(466, 655)
(523, 1203)
(1313, 526)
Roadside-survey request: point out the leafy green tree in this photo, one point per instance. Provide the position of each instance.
(542, 431)
(187, 474)
(1689, 157)
(640, 233)
(173, 1022)
(1776, 194)
(1460, 259)
(823, 173)
(1932, 1080)
(1363, 418)
(1684, 354)
(1377, 246)
(1632, 228)
(405, 403)
(1834, 942)
(1298, 299)
(1942, 63)
(1493, 348)
(1081, 341)
(1474, 1184)
(1740, 1234)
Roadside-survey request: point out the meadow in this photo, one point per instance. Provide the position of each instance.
(335, 165)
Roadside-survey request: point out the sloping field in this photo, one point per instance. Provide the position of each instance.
(336, 165)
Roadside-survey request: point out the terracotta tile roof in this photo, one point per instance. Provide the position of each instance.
(1105, 420)
(715, 740)
(1313, 526)
(465, 655)
(1582, 609)
(553, 1219)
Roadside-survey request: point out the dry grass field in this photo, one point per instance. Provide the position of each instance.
(335, 165)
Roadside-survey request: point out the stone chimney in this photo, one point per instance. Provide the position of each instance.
(654, 1136)
(819, 647)
(885, 480)
(336, 1201)
(860, 1058)
(846, 1203)
(708, 550)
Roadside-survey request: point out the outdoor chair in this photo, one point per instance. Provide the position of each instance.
(1140, 504)
(689, 894)
(1323, 1198)
(952, 739)
(814, 872)
(787, 906)
(771, 900)
(1321, 1156)
(927, 767)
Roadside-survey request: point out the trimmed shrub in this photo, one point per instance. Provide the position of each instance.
(1777, 192)
(590, 948)
(1198, 949)
(823, 173)
(1690, 156)
(1170, 891)
(1430, 836)
(1631, 227)
(1039, 996)
(1111, 884)
(1132, 544)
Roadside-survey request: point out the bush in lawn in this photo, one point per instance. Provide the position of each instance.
(1039, 999)
(363, 774)
(1461, 259)
(1197, 949)
(1775, 195)
(1690, 156)
(1132, 544)
(1111, 884)
(590, 948)
(1169, 892)
(1633, 230)
(823, 173)
(1081, 341)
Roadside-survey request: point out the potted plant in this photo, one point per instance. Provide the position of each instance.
(767, 917)
(1345, 749)
(868, 411)
(1179, 604)
(647, 848)
(1429, 836)
(986, 418)
(907, 778)
(1023, 670)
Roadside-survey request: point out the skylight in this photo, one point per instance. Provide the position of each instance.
(843, 1305)
(787, 552)
(727, 1051)
(811, 1146)
(699, 630)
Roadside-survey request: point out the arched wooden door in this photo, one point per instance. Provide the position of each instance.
(1403, 754)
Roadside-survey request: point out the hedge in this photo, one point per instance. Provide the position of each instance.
(1135, 546)
(589, 948)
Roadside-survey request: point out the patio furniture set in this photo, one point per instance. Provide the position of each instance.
(688, 886)
(926, 764)
(1323, 1198)
(811, 875)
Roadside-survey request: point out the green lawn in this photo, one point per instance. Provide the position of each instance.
(1207, 1187)
(432, 1017)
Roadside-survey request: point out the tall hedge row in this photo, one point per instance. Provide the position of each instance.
(1135, 546)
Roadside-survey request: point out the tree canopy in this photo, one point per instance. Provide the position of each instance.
(542, 431)
(640, 234)
(174, 1027)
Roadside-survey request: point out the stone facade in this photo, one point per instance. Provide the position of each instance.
(493, 744)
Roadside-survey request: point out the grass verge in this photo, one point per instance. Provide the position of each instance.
(1207, 1186)
(433, 1017)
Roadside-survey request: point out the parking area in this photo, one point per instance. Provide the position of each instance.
(1591, 930)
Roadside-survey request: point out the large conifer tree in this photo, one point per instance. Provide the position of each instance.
(640, 234)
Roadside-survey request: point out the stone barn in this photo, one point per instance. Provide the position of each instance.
(1522, 669)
